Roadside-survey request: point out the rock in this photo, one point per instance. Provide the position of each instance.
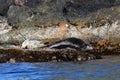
(4, 27)
(42, 55)
(9, 46)
(19, 15)
(41, 12)
(19, 2)
(12, 60)
(32, 44)
(87, 33)
(4, 6)
(79, 8)
(46, 12)
(41, 19)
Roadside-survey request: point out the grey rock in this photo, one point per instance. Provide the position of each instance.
(4, 26)
(18, 15)
(40, 18)
(46, 12)
(4, 6)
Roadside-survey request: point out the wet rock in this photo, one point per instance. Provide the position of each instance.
(32, 44)
(43, 55)
(12, 60)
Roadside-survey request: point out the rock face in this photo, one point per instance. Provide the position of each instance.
(4, 27)
(4, 6)
(45, 12)
(86, 19)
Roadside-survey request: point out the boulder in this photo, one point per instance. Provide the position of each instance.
(4, 6)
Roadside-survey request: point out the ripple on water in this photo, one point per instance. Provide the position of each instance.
(104, 69)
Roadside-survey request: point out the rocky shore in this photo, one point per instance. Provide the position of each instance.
(17, 54)
(97, 22)
(43, 55)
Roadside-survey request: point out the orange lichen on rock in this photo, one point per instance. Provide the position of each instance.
(102, 42)
(61, 30)
(100, 17)
(87, 23)
(78, 23)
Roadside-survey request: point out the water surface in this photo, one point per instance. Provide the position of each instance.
(103, 69)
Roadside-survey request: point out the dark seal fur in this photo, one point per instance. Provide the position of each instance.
(73, 43)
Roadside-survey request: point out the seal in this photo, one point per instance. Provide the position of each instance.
(73, 43)
(32, 44)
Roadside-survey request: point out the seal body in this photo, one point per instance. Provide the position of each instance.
(74, 43)
(32, 44)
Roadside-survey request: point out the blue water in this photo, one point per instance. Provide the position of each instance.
(104, 69)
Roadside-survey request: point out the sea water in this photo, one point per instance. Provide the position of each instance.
(102, 69)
